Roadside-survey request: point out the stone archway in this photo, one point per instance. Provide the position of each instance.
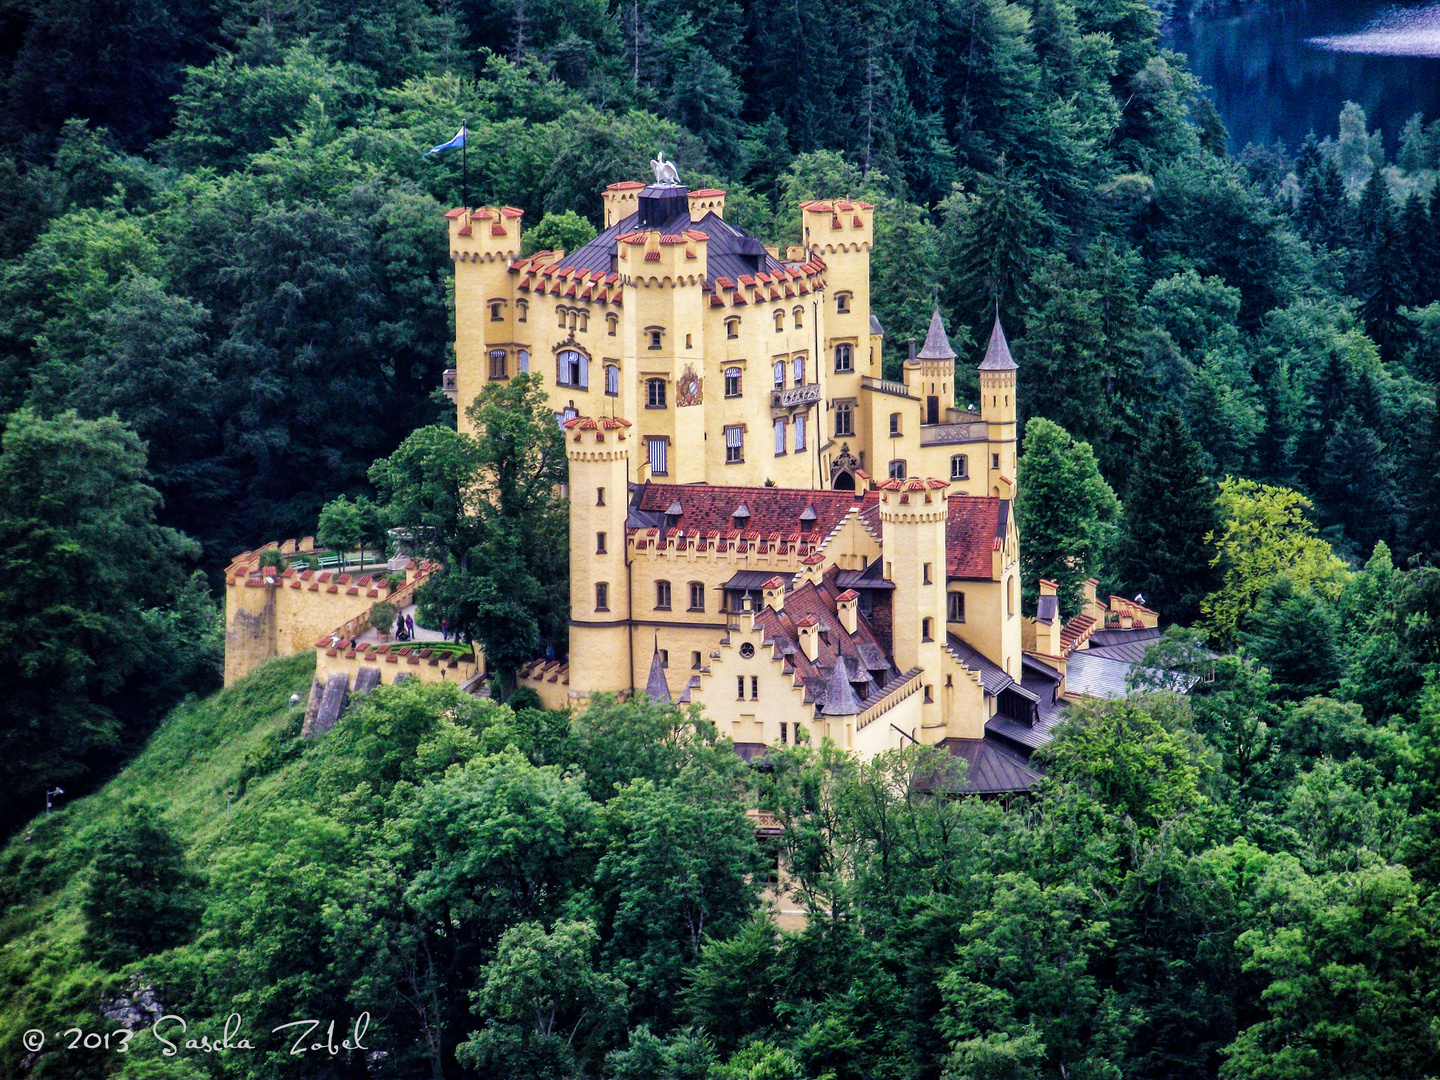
(842, 469)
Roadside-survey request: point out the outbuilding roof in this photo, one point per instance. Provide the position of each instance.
(976, 528)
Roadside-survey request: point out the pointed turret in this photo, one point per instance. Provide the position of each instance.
(937, 342)
(997, 353)
(656, 687)
(840, 697)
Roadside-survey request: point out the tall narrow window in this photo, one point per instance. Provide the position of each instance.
(797, 367)
(602, 596)
(655, 339)
(732, 382)
(799, 317)
(956, 607)
(599, 543)
(497, 363)
(523, 356)
(740, 687)
(959, 467)
(894, 423)
(599, 496)
(522, 311)
(732, 328)
(497, 312)
(927, 629)
(779, 372)
(800, 432)
(842, 303)
(655, 393)
(779, 321)
(754, 687)
(734, 445)
(697, 596)
(1010, 598)
(844, 418)
(994, 461)
(662, 596)
(779, 437)
(844, 357)
(784, 731)
(612, 323)
(658, 448)
(927, 579)
(612, 380)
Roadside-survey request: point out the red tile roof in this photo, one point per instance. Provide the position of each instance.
(711, 508)
(975, 528)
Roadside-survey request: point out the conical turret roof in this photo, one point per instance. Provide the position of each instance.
(840, 699)
(656, 687)
(997, 353)
(937, 342)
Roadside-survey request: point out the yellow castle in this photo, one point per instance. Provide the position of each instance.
(760, 523)
(735, 366)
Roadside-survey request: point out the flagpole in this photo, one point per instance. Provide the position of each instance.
(465, 164)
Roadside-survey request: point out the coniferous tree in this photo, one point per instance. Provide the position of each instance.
(1062, 509)
(1169, 510)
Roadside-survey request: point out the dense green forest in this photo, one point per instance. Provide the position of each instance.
(224, 297)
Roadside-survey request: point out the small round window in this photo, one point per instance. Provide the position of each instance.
(747, 650)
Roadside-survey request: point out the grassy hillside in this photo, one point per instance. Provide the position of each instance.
(236, 741)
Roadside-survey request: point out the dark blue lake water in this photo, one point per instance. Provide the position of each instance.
(1285, 70)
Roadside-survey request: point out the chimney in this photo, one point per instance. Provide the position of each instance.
(846, 606)
(809, 628)
(1092, 606)
(774, 593)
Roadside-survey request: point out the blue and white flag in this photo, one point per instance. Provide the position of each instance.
(454, 144)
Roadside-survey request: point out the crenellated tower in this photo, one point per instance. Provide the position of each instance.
(482, 243)
(930, 375)
(913, 514)
(598, 450)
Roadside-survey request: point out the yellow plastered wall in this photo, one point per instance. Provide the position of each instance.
(913, 515)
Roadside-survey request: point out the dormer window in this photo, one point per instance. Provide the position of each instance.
(741, 516)
(673, 513)
(807, 519)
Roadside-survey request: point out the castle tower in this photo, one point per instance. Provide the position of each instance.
(930, 376)
(482, 243)
(997, 407)
(913, 514)
(841, 232)
(599, 456)
(663, 327)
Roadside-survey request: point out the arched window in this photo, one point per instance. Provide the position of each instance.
(779, 372)
(797, 367)
(497, 363)
(612, 380)
(897, 469)
(497, 311)
(522, 310)
(842, 303)
(799, 317)
(732, 327)
(732, 382)
(1010, 597)
(563, 316)
(959, 467)
(779, 321)
(844, 357)
(572, 368)
(612, 322)
(523, 357)
(655, 393)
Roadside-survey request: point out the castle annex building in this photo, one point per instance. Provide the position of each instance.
(734, 366)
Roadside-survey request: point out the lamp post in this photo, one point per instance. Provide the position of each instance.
(49, 793)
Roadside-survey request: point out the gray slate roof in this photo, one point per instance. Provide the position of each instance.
(992, 676)
(997, 353)
(840, 699)
(656, 686)
(730, 252)
(991, 768)
(937, 342)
